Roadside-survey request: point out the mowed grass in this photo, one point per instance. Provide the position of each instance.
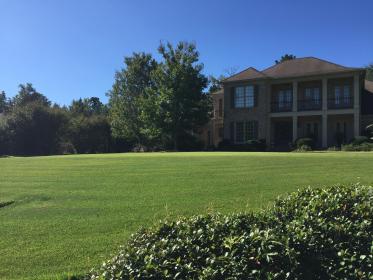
(72, 212)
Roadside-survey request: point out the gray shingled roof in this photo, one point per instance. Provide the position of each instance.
(292, 68)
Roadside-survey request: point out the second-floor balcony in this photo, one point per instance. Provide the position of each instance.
(309, 105)
(345, 102)
(286, 106)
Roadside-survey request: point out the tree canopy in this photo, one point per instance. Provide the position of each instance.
(285, 58)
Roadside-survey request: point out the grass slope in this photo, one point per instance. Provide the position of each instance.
(72, 212)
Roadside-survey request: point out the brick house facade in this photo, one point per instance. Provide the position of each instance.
(303, 97)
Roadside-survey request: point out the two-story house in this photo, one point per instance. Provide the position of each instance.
(303, 97)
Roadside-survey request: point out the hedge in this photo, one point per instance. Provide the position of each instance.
(315, 233)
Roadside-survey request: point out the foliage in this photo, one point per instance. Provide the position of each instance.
(363, 147)
(358, 140)
(285, 58)
(303, 148)
(132, 104)
(182, 107)
(87, 107)
(35, 129)
(90, 134)
(322, 233)
(28, 94)
(215, 84)
(300, 142)
(4, 102)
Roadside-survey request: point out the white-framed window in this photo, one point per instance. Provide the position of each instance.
(244, 97)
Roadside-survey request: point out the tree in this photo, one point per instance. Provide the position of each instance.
(90, 134)
(27, 94)
(87, 106)
(35, 129)
(285, 58)
(215, 84)
(179, 82)
(4, 104)
(131, 101)
(369, 73)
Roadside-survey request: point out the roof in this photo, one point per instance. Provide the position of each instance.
(247, 74)
(292, 68)
(220, 91)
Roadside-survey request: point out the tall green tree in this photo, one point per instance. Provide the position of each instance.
(87, 107)
(369, 73)
(182, 105)
(132, 102)
(285, 58)
(3, 102)
(28, 94)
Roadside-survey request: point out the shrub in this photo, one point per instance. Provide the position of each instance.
(358, 140)
(304, 148)
(364, 147)
(322, 233)
(304, 142)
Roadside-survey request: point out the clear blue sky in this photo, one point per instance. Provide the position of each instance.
(71, 48)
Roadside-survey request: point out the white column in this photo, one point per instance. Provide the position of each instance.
(357, 104)
(295, 96)
(324, 128)
(295, 128)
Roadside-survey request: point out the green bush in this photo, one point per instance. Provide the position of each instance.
(358, 140)
(304, 142)
(303, 148)
(364, 147)
(322, 233)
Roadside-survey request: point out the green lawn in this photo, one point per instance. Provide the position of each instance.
(72, 212)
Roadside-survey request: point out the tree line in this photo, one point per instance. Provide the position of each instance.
(153, 105)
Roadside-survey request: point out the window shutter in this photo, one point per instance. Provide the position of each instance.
(256, 95)
(232, 97)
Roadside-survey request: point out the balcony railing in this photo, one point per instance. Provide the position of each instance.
(340, 103)
(309, 105)
(281, 106)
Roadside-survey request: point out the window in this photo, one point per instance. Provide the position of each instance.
(337, 95)
(284, 98)
(313, 94)
(246, 131)
(239, 132)
(316, 96)
(346, 94)
(316, 130)
(309, 132)
(251, 130)
(244, 97)
(220, 107)
(239, 97)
